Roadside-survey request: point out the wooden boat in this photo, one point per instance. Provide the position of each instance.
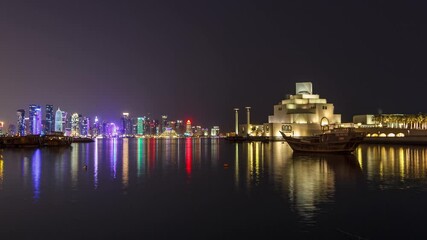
(55, 139)
(20, 141)
(338, 140)
(82, 140)
(48, 140)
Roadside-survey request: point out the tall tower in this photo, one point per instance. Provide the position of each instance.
(248, 115)
(164, 123)
(126, 124)
(140, 126)
(75, 124)
(236, 110)
(49, 119)
(188, 131)
(35, 118)
(58, 121)
(20, 113)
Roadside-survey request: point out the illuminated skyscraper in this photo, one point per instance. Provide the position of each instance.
(126, 124)
(35, 118)
(65, 123)
(75, 124)
(96, 128)
(164, 123)
(20, 113)
(140, 126)
(84, 126)
(49, 127)
(58, 121)
(188, 131)
(215, 131)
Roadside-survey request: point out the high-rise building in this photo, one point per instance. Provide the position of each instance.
(179, 128)
(96, 128)
(215, 131)
(35, 118)
(140, 126)
(188, 131)
(66, 124)
(126, 124)
(75, 124)
(49, 126)
(20, 113)
(85, 126)
(164, 123)
(58, 121)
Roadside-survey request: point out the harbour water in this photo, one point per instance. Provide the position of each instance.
(211, 189)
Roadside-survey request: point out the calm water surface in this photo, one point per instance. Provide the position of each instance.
(211, 189)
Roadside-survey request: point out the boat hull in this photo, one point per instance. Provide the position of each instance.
(328, 143)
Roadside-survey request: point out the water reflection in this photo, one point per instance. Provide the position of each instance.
(306, 181)
(125, 163)
(75, 165)
(95, 164)
(394, 166)
(113, 158)
(313, 179)
(1, 170)
(188, 155)
(140, 157)
(36, 173)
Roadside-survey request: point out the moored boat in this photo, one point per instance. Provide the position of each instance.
(339, 140)
(82, 140)
(20, 141)
(55, 139)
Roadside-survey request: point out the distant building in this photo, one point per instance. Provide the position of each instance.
(11, 130)
(215, 131)
(188, 130)
(66, 123)
(96, 128)
(164, 123)
(75, 124)
(140, 126)
(179, 128)
(301, 114)
(35, 119)
(126, 125)
(49, 123)
(58, 121)
(20, 113)
(85, 126)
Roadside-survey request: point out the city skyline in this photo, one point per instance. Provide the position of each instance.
(200, 60)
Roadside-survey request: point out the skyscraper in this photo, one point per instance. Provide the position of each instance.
(75, 124)
(49, 127)
(140, 126)
(58, 121)
(20, 113)
(126, 124)
(85, 125)
(164, 123)
(35, 118)
(188, 130)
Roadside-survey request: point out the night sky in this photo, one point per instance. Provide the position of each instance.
(199, 59)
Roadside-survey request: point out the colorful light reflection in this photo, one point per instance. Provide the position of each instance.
(36, 173)
(188, 155)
